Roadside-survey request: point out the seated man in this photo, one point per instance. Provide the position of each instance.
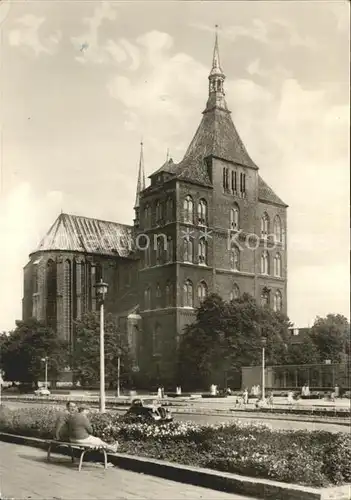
(61, 429)
(80, 431)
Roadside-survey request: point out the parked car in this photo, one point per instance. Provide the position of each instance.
(140, 412)
(42, 391)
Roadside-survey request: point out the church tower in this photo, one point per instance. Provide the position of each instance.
(209, 224)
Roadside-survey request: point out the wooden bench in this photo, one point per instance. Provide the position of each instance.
(81, 447)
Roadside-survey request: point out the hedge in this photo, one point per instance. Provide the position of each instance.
(314, 458)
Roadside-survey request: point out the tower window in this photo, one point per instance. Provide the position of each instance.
(188, 209)
(277, 301)
(158, 296)
(234, 259)
(147, 298)
(202, 212)
(202, 251)
(242, 183)
(159, 214)
(202, 291)
(277, 229)
(170, 250)
(265, 262)
(277, 265)
(188, 250)
(169, 294)
(169, 209)
(234, 218)
(265, 226)
(234, 182)
(188, 294)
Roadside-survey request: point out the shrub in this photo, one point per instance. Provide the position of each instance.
(311, 458)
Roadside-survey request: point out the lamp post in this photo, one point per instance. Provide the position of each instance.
(101, 290)
(45, 360)
(263, 342)
(118, 373)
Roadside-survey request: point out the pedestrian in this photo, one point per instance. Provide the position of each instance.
(271, 399)
(290, 398)
(245, 396)
(80, 431)
(61, 427)
(336, 391)
(159, 393)
(307, 391)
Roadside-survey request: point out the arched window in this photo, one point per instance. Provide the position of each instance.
(202, 212)
(265, 262)
(277, 228)
(202, 291)
(188, 209)
(51, 293)
(159, 211)
(234, 258)
(147, 216)
(67, 296)
(169, 249)
(265, 294)
(234, 181)
(188, 246)
(169, 294)
(156, 339)
(159, 250)
(158, 297)
(234, 218)
(147, 255)
(277, 265)
(147, 298)
(202, 251)
(277, 301)
(264, 225)
(188, 294)
(235, 293)
(169, 209)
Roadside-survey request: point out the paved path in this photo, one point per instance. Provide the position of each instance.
(25, 474)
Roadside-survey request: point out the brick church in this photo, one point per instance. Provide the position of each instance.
(206, 224)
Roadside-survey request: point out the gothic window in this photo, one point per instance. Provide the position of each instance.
(169, 249)
(264, 225)
(265, 297)
(188, 250)
(158, 296)
(169, 294)
(67, 298)
(51, 292)
(235, 293)
(234, 218)
(225, 179)
(277, 301)
(202, 212)
(277, 228)
(265, 262)
(147, 254)
(202, 291)
(147, 216)
(169, 209)
(202, 251)
(159, 214)
(188, 209)
(234, 258)
(277, 265)
(147, 298)
(242, 183)
(234, 181)
(188, 294)
(156, 339)
(159, 250)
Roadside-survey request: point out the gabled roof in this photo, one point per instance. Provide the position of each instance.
(82, 234)
(266, 194)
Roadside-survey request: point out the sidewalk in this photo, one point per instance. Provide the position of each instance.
(25, 474)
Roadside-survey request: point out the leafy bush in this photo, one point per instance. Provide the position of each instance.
(315, 458)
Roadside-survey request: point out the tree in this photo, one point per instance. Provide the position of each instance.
(331, 336)
(227, 336)
(23, 349)
(86, 356)
(304, 352)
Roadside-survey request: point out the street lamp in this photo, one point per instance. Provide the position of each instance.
(119, 352)
(45, 360)
(263, 343)
(101, 291)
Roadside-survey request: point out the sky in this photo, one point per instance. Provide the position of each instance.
(81, 83)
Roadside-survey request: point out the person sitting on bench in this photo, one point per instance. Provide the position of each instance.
(61, 429)
(80, 431)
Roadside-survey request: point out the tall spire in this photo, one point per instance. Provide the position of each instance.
(141, 176)
(216, 81)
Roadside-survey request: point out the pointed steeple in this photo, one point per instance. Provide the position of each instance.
(216, 81)
(141, 176)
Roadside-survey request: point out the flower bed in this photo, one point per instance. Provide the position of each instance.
(302, 457)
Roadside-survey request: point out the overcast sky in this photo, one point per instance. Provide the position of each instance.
(83, 82)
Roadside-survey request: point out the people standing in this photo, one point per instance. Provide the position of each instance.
(245, 396)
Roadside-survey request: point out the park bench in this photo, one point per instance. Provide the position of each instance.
(83, 449)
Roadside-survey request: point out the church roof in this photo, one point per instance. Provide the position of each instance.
(266, 193)
(74, 233)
